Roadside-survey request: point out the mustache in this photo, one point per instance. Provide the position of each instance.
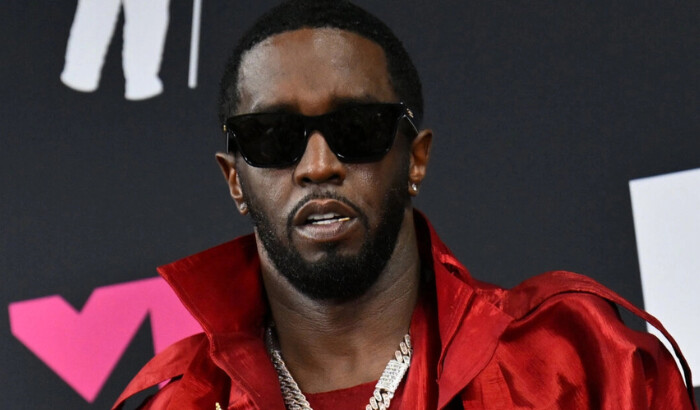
(326, 195)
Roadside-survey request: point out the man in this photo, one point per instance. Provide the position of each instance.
(344, 297)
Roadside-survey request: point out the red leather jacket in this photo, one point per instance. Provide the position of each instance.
(553, 342)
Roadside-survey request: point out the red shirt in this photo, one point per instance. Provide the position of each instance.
(426, 348)
(553, 342)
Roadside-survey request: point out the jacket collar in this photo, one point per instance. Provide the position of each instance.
(469, 319)
(222, 289)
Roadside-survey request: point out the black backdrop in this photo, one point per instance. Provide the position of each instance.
(542, 112)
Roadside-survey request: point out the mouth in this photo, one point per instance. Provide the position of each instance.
(323, 212)
(325, 220)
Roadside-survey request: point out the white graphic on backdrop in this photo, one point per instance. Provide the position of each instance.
(666, 212)
(194, 43)
(145, 28)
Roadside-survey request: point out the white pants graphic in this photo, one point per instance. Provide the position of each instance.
(145, 28)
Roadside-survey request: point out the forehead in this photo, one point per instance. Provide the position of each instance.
(311, 70)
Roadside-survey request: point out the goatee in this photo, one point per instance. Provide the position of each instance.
(336, 277)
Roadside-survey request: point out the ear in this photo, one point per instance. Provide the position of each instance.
(420, 154)
(227, 163)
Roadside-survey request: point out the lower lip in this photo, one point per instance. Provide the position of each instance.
(327, 232)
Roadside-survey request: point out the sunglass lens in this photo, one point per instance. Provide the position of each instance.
(362, 133)
(270, 140)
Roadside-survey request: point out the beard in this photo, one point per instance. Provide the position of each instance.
(335, 276)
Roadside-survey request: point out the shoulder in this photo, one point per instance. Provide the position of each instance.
(567, 344)
(558, 324)
(568, 311)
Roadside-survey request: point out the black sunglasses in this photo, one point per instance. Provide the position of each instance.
(355, 133)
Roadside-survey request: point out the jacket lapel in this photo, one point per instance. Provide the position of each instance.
(222, 289)
(470, 324)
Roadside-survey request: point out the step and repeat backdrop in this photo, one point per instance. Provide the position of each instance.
(567, 136)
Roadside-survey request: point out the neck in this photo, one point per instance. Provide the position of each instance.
(329, 345)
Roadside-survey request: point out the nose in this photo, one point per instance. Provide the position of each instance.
(319, 164)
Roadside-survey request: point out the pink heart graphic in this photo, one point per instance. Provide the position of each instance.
(84, 347)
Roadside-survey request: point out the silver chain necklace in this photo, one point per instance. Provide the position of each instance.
(384, 390)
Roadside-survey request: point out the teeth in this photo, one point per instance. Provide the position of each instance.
(325, 219)
(324, 222)
(317, 217)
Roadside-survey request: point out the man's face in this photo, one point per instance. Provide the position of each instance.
(327, 226)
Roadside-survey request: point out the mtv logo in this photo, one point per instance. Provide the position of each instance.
(83, 346)
(666, 212)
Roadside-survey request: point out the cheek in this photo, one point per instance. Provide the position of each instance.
(365, 178)
(385, 172)
(266, 188)
(371, 183)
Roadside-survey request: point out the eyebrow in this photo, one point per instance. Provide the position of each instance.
(337, 103)
(345, 101)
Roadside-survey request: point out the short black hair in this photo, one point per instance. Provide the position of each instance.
(340, 14)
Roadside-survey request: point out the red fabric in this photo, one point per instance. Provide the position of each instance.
(352, 398)
(420, 379)
(554, 342)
